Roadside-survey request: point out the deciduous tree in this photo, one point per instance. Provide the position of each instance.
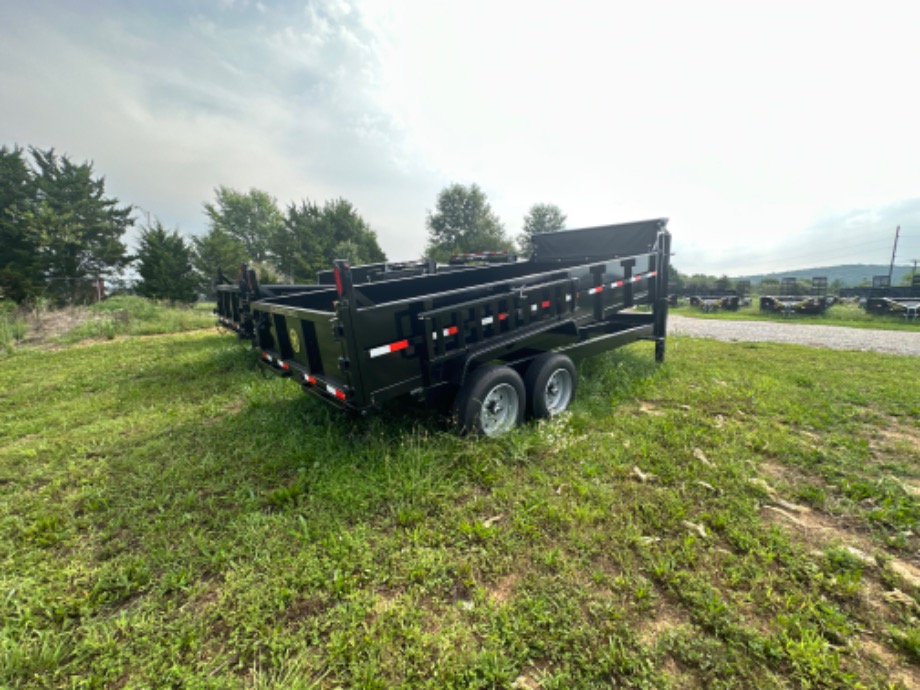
(251, 218)
(313, 237)
(216, 251)
(540, 218)
(463, 221)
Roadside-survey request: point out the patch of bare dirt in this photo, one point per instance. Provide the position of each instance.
(780, 473)
(821, 530)
(900, 435)
(235, 406)
(504, 589)
(385, 601)
(301, 609)
(666, 618)
(45, 325)
(527, 680)
(888, 661)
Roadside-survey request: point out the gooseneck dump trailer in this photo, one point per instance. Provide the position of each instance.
(499, 339)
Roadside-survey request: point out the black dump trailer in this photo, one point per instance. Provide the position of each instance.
(498, 340)
(234, 300)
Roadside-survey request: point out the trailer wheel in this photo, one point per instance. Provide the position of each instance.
(491, 402)
(550, 383)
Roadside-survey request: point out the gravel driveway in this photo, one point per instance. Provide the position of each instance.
(835, 337)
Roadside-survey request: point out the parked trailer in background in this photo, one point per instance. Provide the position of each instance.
(715, 301)
(791, 299)
(500, 340)
(719, 297)
(896, 301)
(234, 300)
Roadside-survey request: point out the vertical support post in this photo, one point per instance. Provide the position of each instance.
(660, 297)
(350, 364)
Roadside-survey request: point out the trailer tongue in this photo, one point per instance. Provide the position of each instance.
(499, 339)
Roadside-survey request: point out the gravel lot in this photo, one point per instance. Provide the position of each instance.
(835, 337)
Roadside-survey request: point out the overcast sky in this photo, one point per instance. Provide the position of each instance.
(773, 135)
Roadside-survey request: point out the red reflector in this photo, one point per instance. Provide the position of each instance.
(339, 394)
(338, 280)
(285, 365)
(452, 330)
(311, 380)
(546, 304)
(265, 355)
(401, 345)
(502, 317)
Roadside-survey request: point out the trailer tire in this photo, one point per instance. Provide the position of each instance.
(550, 383)
(491, 402)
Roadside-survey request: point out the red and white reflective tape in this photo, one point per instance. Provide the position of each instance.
(620, 283)
(489, 320)
(449, 331)
(387, 349)
(403, 344)
(276, 360)
(331, 390)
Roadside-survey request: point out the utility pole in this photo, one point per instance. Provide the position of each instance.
(894, 250)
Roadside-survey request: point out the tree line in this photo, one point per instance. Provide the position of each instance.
(62, 236)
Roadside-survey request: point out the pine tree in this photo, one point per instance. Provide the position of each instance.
(80, 228)
(20, 271)
(164, 264)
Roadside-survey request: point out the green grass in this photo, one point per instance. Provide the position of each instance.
(849, 315)
(12, 327)
(129, 315)
(169, 517)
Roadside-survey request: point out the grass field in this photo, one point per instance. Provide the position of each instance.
(843, 314)
(116, 316)
(744, 516)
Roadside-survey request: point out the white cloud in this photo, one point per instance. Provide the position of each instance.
(765, 134)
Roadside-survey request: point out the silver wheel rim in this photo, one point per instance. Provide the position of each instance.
(558, 391)
(499, 410)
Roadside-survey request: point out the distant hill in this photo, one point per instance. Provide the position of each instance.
(849, 274)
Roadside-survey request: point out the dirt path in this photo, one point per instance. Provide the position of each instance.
(834, 337)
